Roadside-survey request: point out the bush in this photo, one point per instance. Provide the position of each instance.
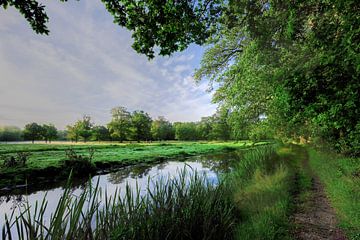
(80, 164)
(19, 160)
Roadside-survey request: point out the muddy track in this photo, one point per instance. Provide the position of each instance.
(314, 218)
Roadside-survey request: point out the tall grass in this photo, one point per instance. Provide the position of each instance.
(341, 178)
(185, 207)
(261, 192)
(251, 202)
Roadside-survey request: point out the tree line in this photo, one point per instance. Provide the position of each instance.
(125, 126)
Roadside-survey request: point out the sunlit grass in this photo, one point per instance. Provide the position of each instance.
(47, 156)
(341, 177)
(261, 192)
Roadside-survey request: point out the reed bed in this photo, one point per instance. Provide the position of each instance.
(185, 207)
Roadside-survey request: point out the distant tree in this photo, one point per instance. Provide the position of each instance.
(186, 131)
(140, 126)
(10, 133)
(85, 127)
(49, 132)
(33, 131)
(101, 133)
(81, 129)
(204, 128)
(220, 127)
(62, 135)
(120, 124)
(73, 133)
(161, 129)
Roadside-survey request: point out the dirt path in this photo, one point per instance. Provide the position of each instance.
(314, 218)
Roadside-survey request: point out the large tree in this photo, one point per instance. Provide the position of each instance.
(81, 129)
(186, 131)
(33, 131)
(162, 129)
(85, 126)
(49, 132)
(101, 133)
(295, 64)
(120, 124)
(140, 126)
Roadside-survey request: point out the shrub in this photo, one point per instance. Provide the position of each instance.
(80, 164)
(19, 160)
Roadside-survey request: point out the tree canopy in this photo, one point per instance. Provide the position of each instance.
(294, 64)
(169, 26)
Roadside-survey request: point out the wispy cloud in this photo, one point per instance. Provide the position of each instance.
(87, 66)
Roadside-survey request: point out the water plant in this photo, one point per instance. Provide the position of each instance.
(17, 160)
(185, 207)
(80, 164)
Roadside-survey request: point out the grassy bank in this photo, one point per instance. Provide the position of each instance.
(185, 207)
(46, 160)
(252, 202)
(261, 186)
(341, 179)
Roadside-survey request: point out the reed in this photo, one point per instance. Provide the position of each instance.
(185, 207)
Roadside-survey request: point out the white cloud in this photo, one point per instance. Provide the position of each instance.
(87, 66)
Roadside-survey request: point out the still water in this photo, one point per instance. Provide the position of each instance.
(211, 165)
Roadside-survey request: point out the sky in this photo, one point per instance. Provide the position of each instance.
(87, 66)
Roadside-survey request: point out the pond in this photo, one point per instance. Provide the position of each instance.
(211, 165)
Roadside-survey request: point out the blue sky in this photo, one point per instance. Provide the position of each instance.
(87, 66)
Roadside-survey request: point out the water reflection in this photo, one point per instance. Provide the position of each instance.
(209, 165)
(14, 201)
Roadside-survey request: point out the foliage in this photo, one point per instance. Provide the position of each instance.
(81, 128)
(220, 129)
(169, 26)
(80, 164)
(185, 131)
(72, 133)
(120, 124)
(140, 126)
(293, 63)
(85, 127)
(33, 131)
(9, 133)
(49, 132)
(19, 160)
(62, 135)
(100, 133)
(187, 206)
(161, 129)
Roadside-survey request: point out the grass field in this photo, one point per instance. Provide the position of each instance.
(50, 156)
(44, 155)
